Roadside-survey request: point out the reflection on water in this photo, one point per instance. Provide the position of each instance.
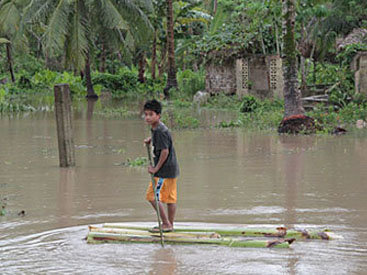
(164, 262)
(228, 176)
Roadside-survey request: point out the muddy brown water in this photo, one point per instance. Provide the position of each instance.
(228, 176)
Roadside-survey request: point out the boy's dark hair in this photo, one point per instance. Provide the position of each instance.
(153, 105)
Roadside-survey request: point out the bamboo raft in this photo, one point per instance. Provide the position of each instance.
(233, 237)
(279, 232)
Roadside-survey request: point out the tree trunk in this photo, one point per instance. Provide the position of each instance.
(314, 71)
(311, 58)
(102, 67)
(262, 41)
(215, 6)
(303, 75)
(154, 55)
(277, 38)
(47, 60)
(171, 73)
(292, 94)
(88, 78)
(162, 63)
(141, 67)
(10, 62)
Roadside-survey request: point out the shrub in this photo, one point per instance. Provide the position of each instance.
(249, 104)
(223, 101)
(190, 82)
(180, 119)
(125, 80)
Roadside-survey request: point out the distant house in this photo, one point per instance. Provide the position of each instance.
(257, 75)
(355, 37)
(359, 66)
(359, 63)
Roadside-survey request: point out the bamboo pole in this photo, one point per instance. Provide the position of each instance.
(102, 237)
(155, 234)
(279, 232)
(156, 198)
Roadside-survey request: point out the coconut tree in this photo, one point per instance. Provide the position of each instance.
(171, 70)
(10, 27)
(190, 22)
(292, 94)
(311, 44)
(9, 58)
(74, 25)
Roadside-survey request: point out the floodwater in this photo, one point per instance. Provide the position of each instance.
(228, 176)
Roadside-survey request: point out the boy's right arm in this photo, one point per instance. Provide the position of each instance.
(147, 140)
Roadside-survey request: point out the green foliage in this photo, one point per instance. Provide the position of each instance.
(47, 79)
(8, 107)
(2, 206)
(346, 116)
(73, 27)
(241, 27)
(151, 87)
(126, 83)
(267, 115)
(326, 73)
(230, 124)
(138, 162)
(181, 103)
(190, 82)
(180, 119)
(29, 64)
(123, 81)
(249, 104)
(222, 101)
(116, 112)
(349, 52)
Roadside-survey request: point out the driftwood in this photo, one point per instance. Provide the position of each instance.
(309, 102)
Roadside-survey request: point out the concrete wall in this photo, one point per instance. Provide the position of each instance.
(360, 76)
(220, 78)
(260, 76)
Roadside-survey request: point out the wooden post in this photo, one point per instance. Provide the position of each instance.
(64, 126)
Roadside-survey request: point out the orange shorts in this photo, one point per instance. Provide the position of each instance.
(166, 189)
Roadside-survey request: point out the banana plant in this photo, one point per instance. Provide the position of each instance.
(74, 25)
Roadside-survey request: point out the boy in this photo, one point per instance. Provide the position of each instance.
(165, 168)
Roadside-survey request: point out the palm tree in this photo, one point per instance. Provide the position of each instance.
(74, 25)
(292, 94)
(10, 19)
(171, 71)
(9, 58)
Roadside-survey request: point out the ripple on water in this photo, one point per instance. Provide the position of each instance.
(65, 251)
(258, 210)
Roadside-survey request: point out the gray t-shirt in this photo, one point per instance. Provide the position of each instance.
(161, 139)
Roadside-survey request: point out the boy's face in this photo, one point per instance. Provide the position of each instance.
(151, 117)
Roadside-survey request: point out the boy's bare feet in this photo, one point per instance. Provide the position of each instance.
(165, 228)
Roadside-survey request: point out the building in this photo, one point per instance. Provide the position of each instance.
(257, 75)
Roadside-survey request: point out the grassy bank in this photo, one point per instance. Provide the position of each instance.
(122, 96)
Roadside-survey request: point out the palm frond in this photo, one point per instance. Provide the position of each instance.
(78, 39)
(38, 10)
(146, 5)
(139, 23)
(4, 41)
(58, 27)
(110, 15)
(218, 20)
(9, 18)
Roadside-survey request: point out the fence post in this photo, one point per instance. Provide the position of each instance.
(64, 125)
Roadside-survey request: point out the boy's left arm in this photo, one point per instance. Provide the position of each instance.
(162, 159)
